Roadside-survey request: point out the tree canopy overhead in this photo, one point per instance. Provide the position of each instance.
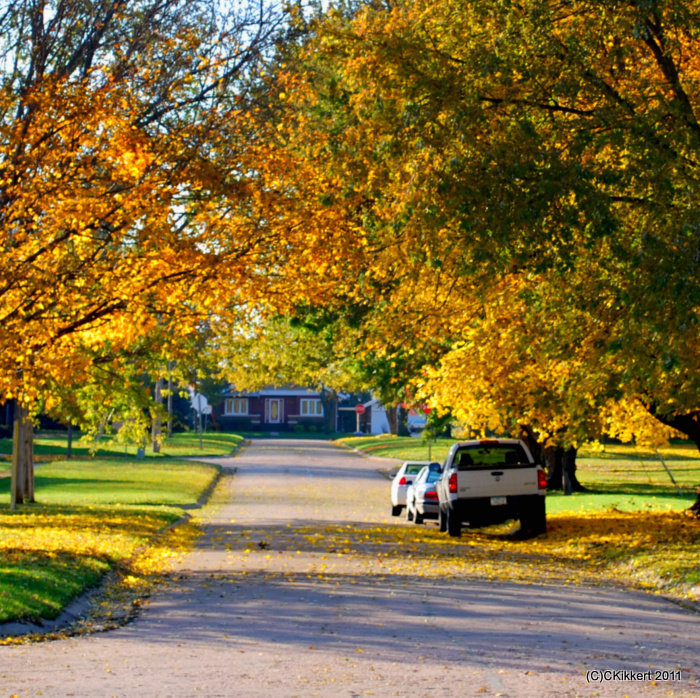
(494, 200)
(121, 142)
(539, 160)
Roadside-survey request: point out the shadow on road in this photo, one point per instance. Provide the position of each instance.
(402, 617)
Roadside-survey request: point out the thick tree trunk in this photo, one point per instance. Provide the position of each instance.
(393, 418)
(560, 464)
(398, 420)
(402, 422)
(22, 483)
(329, 398)
(528, 436)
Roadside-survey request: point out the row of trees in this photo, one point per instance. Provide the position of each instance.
(138, 192)
(493, 203)
(525, 180)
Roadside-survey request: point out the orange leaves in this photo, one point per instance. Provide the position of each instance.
(133, 196)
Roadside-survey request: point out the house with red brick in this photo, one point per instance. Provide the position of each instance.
(301, 410)
(276, 409)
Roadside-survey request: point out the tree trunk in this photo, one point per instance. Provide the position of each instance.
(568, 466)
(392, 417)
(402, 422)
(329, 399)
(156, 427)
(560, 465)
(536, 450)
(695, 509)
(69, 446)
(170, 399)
(22, 484)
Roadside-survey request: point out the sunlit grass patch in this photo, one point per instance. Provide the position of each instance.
(105, 481)
(213, 444)
(591, 502)
(53, 445)
(626, 468)
(49, 555)
(399, 447)
(92, 517)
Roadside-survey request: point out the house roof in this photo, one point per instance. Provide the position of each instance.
(273, 392)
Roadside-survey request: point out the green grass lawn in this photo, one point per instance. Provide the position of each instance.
(624, 478)
(50, 445)
(400, 447)
(617, 477)
(93, 515)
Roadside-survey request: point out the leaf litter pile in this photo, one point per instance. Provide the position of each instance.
(653, 550)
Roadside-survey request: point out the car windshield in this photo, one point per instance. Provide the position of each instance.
(433, 476)
(413, 468)
(491, 455)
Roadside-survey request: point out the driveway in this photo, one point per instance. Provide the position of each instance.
(287, 594)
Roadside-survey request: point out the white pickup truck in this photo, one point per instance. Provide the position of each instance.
(490, 481)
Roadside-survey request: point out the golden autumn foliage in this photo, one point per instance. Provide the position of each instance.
(525, 178)
(140, 188)
(141, 196)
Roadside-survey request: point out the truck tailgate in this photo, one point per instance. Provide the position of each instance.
(497, 481)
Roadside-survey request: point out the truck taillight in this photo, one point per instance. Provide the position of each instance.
(452, 483)
(402, 481)
(541, 480)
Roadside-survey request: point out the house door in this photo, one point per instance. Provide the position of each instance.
(274, 411)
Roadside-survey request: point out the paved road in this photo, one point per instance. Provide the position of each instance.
(288, 595)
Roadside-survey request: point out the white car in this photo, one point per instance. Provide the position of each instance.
(421, 497)
(402, 479)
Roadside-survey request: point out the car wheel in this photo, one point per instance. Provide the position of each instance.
(454, 525)
(418, 517)
(396, 510)
(533, 520)
(409, 513)
(442, 521)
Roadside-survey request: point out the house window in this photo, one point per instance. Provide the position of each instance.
(236, 405)
(311, 407)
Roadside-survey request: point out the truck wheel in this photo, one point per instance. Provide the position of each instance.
(442, 522)
(396, 510)
(409, 513)
(533, 519)
(454, 525)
